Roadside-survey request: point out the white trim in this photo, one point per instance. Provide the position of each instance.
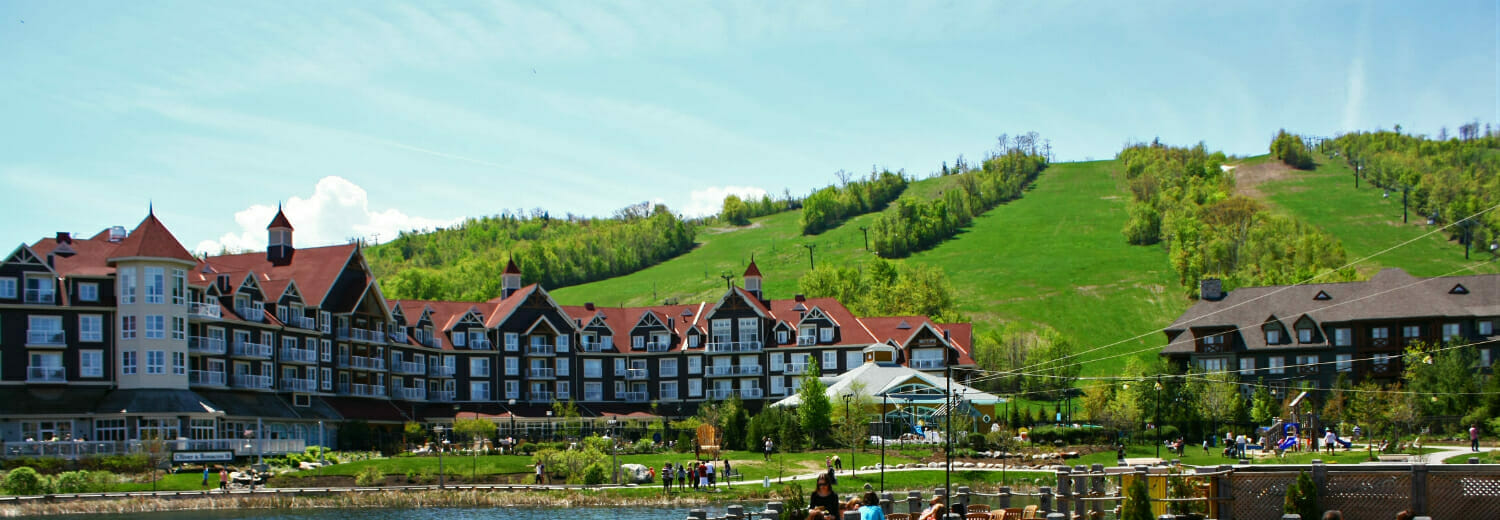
(500, 320)
(819, 310)
(250, 279)
(292, 284)
(539, 322)
(926, 325)
(649, 314)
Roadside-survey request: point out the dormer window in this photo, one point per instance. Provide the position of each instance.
(1273, 336)
(826, 334)
(1305, 335)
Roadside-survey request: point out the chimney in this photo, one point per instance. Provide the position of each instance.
(588, 305)
(946, 337)
(801, 298)
(1211, 289)
(63, 237)
(672, 324)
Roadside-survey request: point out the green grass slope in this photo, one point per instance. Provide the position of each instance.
(1053, 257)
(1367, 223)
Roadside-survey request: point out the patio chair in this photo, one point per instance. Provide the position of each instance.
(1030, 513)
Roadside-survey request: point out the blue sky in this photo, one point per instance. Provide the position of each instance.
(368, 117)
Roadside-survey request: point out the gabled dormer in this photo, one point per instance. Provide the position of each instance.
(1274, 331)
(651, 334)
(596, 335)
(26, 278)
(1307, 330)
(785, 333)
(249, 299)
(469, 331)
(1213, 340)
(817, 327)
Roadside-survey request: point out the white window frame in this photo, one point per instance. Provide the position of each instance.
(512, 342)
(830, 360)
(327, 382)
(563, 342)
(1411, 331)
(778, 362)
(127, 289)
(179, 363)
(87, 292)
(156, 362)
(781, 337)
(156, 326)
(562, 367)
(91, 328)
(1486, 328)
(179, 287)
(512, 366)
(1247, 365)
(1276, 365)
(593, 368)
(479, 390)
(662, 390)
(825, 334)
(156, 284)
(479, 366)
(1343, 337)
(666, 367)
(1304, 335)
(695, 388)
(1273, 336)
(692, 341)
(8, 287)
(512, 389)
(1451, 330)
(91, 363)
(694, 365)
(179, 328)
(128, 326)
(853, 358)
(1380, 332)
(460, 339)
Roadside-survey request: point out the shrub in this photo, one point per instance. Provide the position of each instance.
(1302, 497)
(595, 474)
(794, 502)
(1137, 501)
(126, 464)
(684, 443)
(83, 481)
(978, 441)
(26, 481)
(370, 476)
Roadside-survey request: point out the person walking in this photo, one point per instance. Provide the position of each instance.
(767, 446)
(1329, 439)
(666, 477)
(823, 496)
(1474, 437)
(224, 479)
(712, 481)
(205, 476)
(838, 463)
(540, 467)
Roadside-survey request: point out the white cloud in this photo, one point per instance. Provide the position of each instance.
(709, 201)
(337, 211)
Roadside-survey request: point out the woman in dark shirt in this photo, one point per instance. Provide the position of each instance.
(824, 496)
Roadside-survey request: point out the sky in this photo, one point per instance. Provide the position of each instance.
(367, 118)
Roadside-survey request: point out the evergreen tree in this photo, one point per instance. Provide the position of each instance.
(815, 413)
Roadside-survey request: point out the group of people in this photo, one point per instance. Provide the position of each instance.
(824, 503)
(225, 478)
(695, 474)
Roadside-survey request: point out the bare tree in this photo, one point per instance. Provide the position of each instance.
(843, 176)
(1047, 149)
(1004, 143)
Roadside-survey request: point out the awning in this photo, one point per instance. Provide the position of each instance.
(154, 401)
(50, 401)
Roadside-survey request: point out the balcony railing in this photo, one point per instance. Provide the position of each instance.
(803, 341)
(658, 346)
(669, 395)
(206, 377)
(362, 390)
(254, 314)
(733, 370)
(252, 382)
(46, 375)
(298, 385)
(733, 346)
(252, 350)
(541, 373)
(46, 337)
(540, 397)
(750, 393)
(479, 344)
(364, 335)
(439, 371)
(593, 396)
(591, 346)
(205, 310)
(411, 394)
(636, 374)
(926, 364)
(397, 337)
(720, 394)
(78, 449)
(301, 322)
(543, 349)
(442, 396)
(432, 342)
(40, 296)
(206, 345)
(795, 368)
(409, 368)
(635, 397)
(362, 363)
(298, 355)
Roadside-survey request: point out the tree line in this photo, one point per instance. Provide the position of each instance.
(915, 225)
(466, 262)
(824, 209)
(1182, 198)
(881, 287)
(1449, 179)
(738, 212)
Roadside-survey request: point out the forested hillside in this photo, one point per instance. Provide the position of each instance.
(830, 206)
(916, 224)
(465, 262)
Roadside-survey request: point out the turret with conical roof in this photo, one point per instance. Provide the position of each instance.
(279, 248)
(752, 279)
(510, 280)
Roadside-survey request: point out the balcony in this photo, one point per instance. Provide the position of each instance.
(750, 393)
(564, 396)
(442, 396)
(298, 355)
(926, 364)
(540, 349)
(362, 363)
(795, 368)
(397, 337)
(541, 373)
(40, 296)
(540, 397)
(658, 346)
(206, 377)
(806, 341)
(669, 395)
(79, 449)
(46, 375)
(635, 397)
(301, 322)
(298, 385)
(593, 396)
(205, 311)
(46, 338)
(408, 368)
(439, 371)
(252, 350)
(733, 370)
(636, 374)
(591, 346)
(362, 390)
(251, 382)
(364, 335)
(720, 394)
(729, 347)
(206, 345)
(410, 394)
(479, 344)
(255, 314)
(431, 342)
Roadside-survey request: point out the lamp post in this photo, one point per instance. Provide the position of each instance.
(948, 417)
(474, 451)
(1158, 417)
(442, 443)
(613, 453)
(509, 409)
(848, 398)
(885, 402)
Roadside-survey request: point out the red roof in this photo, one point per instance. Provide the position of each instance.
(850, 328)
(752, 270)
(280, 221)
(151, 239)
(89, 258)
(507, 305)
(315, 270)
(510, 267)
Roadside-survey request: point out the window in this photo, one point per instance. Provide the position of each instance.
(637, 342)
(1344, 362)
(562, 342)
(1450, 331)
(179, 328)
(593, 368)
(1484, 358)
(695, 388)
(830, 360)
(807, 335)
(90, 328)
(327, 379)
(1343, 337)
(1381, 360)
(1486, 328)
(1273, 336)
(156, 362)
(325, 321)
(1247, 366)
(695, 364)
(619, 366)
(156, 326)
(480, 367)
(668, 368)
(777, 361)
(91, 363)
(853, 358)
(1411, 331)
(778, 386)
(692, 341)
(668, 390)
(1304, 335)
(127, 327)
(512, 389)
(325, 351)
(562, 367)
(564, 390)
(781, 336)
(826, 334)
(1213, 364)
(88, 292)
(619, 389)
(1278, 365)
(722, 330)
(156, 285)
(179, 287)
(459, 339)
(8, 288)
(512, 341)
(479, 390)
(127, 285)
(1308, 363)
(593, 391)
(179, 363)
(512, 366)
(749, 330)
(1380, 333)
(109, 429)
(127, 362)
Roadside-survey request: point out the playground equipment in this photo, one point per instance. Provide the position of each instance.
(708, 441)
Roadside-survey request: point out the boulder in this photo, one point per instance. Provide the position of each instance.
(636, 473)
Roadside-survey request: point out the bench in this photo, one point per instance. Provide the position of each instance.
(1394, 457)
(733, 475)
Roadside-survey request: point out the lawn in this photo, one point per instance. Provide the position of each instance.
(1368, 223)
(1054, 257)
(1487, 457)
(1194, 456)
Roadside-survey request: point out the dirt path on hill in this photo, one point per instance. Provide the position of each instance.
(1247, 179)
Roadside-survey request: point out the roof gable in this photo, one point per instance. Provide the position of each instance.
(1459, 289)
(1322, 296)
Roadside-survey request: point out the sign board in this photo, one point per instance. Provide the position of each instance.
(202, 456)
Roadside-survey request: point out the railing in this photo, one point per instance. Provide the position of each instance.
(803, 341)
(252, 382)
(593, 396)
(298, 385)
(76, 449)
(251, 314)
(432, 342)
(206, 345)
(254, 350)
(46, 337)
(46, 375)
(926, 364)
(362, 390)
(205, 310)
(40, 296)
(593, 374)
(564, 396)
(439, 371)
(479, 344)
(541, 373)
(360, 335)
(411, 393)
(361, 363)
(720, 394)
(591, 346)
(658, 346)
(733, 346)
(539, 397)
(636, 374)
(298, 355)
(397, 337)
(543, 349)
(635, 397)
(442, 396)
(669, 395)
(733, 370)
(301, 322)
(750, 393)
(206, 377)
(795, 368)
(410, 368)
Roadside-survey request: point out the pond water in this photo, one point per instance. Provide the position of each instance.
(497, 513)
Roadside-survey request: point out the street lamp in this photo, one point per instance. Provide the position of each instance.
(443, 441)
(613, 452)
(852, 433)
(509, 410)
(1158, 417)
(885, 402)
